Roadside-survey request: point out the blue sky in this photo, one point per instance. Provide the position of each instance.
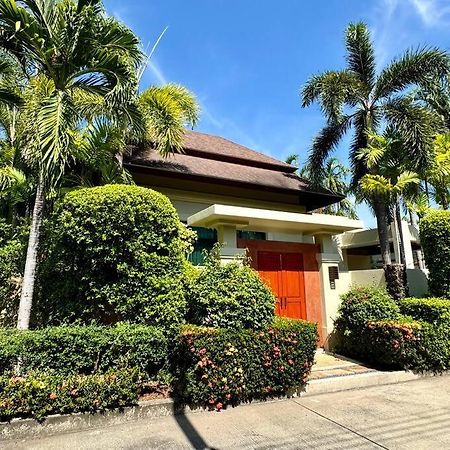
(246, 60)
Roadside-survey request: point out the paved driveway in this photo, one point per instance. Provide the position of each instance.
(413, 415)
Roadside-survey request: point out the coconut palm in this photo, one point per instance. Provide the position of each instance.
(357, 98)
(71, 48)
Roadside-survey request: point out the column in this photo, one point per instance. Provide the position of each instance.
(226, 235)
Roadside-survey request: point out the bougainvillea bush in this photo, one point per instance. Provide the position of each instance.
(220, 367)
(40, 394)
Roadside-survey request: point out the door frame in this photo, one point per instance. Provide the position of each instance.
(313, 290)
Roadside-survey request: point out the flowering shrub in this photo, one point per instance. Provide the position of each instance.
(372, 329)
(220, 367)
(40, 394)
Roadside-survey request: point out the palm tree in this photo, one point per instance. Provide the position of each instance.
(72, 49)
(358, 99)
(334, 178)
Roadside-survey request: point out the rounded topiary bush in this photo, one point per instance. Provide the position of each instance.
(114, 253)
(229, 296)
(435, 240)
(363, 304)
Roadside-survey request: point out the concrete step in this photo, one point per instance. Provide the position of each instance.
(337, 383)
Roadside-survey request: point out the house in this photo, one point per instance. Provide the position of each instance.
(252, 203)
(361, 251)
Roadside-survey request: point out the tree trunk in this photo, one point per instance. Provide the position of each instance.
(26, 296)
(398, 219)
(379, 207)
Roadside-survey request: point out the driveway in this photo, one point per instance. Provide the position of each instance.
(413, 415)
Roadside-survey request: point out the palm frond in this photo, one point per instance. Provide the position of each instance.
(327, 139)
(360, 53)
(417, 126)
(413, 68)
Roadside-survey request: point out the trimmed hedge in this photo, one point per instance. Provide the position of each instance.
(432, 310)
(395, 340)
(114, 253)
(85, 350)
(40, 394)
(435, 240)
(218, 367)
(229, 296)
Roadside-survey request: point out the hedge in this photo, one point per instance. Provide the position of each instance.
(432, 310)
(219, 367)
(435, 241)
(113, 253)
(395, 340)
(40, 394)
(85, 349)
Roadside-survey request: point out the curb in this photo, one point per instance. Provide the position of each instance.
(55, 424)
(358, 381)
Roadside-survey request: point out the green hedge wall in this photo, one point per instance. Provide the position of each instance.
(432, 310)
(418, 340)
(85, 350)
(40, 394)
(218, 367)
(435, 240)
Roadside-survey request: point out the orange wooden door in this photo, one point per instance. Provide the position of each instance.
(269, 267)
(283, 273)
(293, 283)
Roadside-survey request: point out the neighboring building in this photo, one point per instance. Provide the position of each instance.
(361, 251)
(250, 202)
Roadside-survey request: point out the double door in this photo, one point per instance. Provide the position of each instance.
(284, 274)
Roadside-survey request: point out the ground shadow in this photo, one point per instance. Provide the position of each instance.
(189, 430)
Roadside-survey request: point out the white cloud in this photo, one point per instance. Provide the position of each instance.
(432, 12)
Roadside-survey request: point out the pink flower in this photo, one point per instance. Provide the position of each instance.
(52, 396)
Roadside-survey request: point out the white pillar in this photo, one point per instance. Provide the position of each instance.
(226, 235)
(330, 256)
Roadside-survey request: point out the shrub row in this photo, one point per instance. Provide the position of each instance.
(371, 328)
(84, 349)
(432, 310)
(435, 240)
(40, 394)
(219, 367)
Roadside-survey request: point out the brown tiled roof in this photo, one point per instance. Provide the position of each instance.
(219, 161)
(216, 147)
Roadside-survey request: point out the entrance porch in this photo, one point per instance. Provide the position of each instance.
(299, 259)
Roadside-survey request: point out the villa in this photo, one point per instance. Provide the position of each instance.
(256, 205)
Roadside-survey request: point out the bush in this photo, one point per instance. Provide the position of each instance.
(372, 329)
(229, 296)
(114, 253)
(85, 350)
(435, 240)
(12, 260)
(363, 304)
(220, 367)
(40, 394)
(432, 310)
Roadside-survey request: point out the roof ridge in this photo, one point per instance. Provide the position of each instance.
(269, 160)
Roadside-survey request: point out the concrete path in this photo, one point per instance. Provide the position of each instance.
(413, 415)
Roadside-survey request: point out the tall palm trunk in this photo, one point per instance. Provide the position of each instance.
(26, 296)
(398, 219)
(383, 230)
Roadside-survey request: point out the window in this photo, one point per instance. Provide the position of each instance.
(255, 235)
(206, 238)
